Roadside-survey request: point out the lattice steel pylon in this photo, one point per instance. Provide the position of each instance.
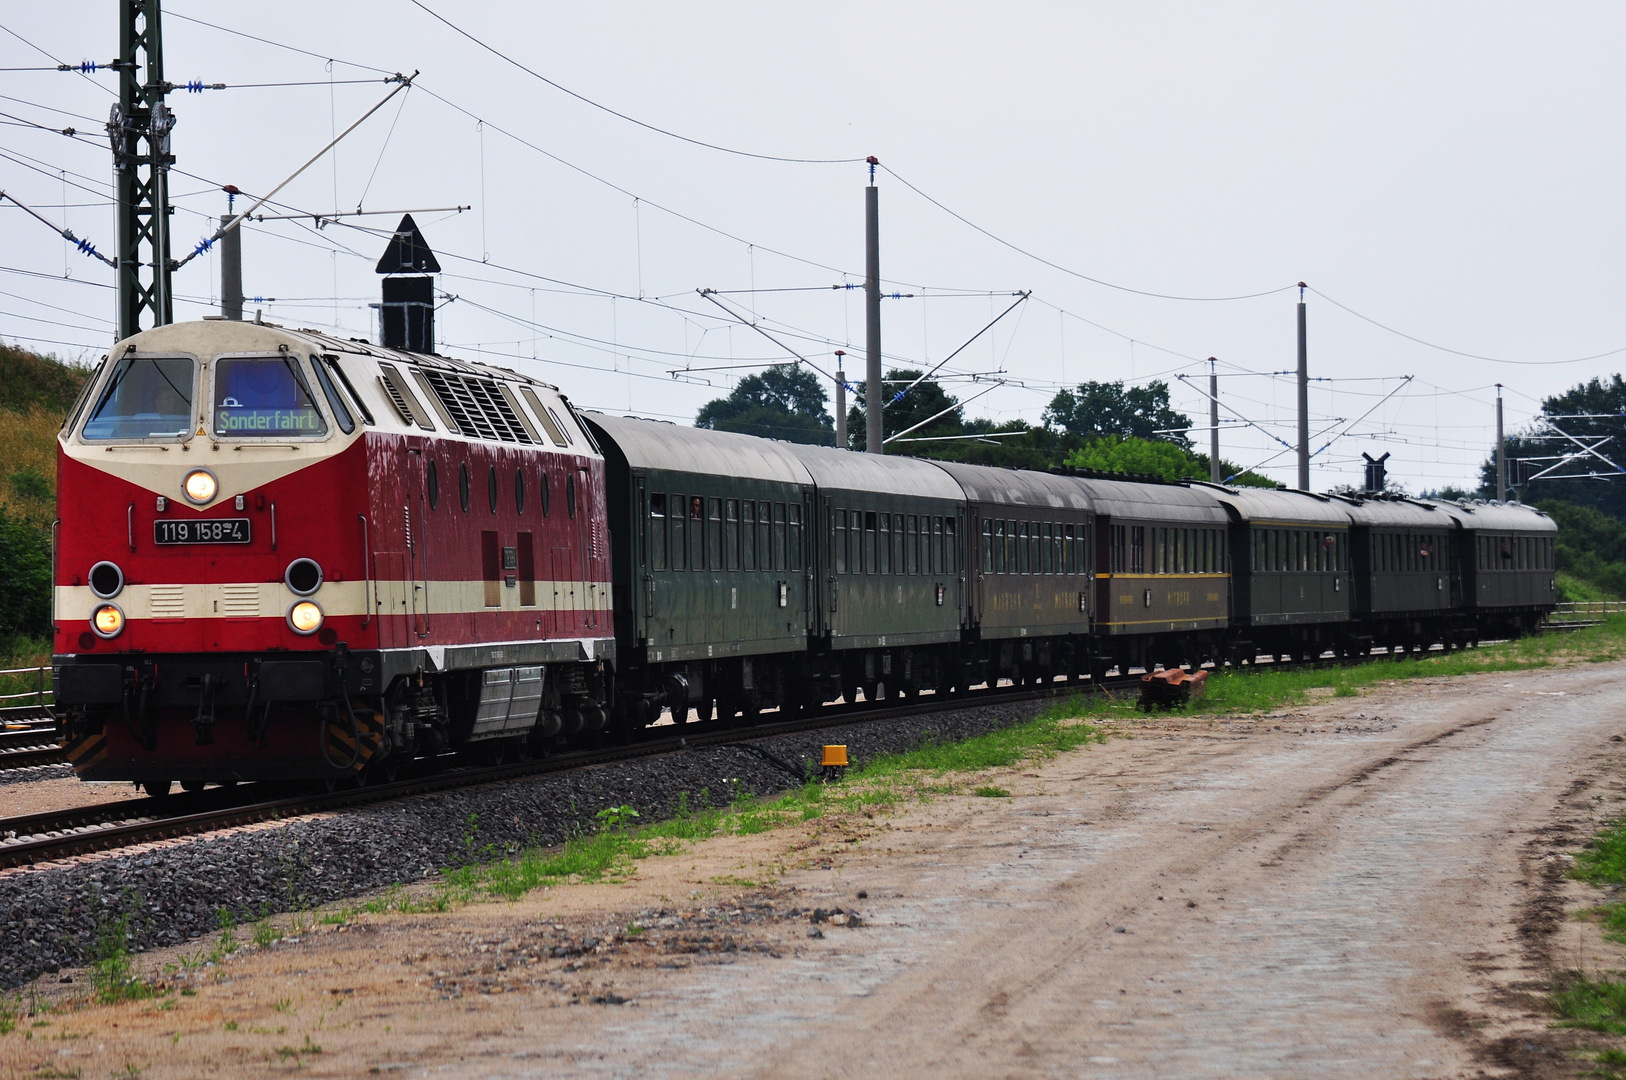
(139, 129)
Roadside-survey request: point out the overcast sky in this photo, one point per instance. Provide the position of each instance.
(1452, 171)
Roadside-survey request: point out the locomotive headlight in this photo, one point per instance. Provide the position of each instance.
(107, 621)
(200, 486)
(305, 617)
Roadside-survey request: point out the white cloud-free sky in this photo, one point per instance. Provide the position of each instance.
(1449, 170)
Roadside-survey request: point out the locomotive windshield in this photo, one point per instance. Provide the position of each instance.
(263, 396)
(147, 397)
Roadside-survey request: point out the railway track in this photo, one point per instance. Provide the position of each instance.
(23, 747)
(84, 830)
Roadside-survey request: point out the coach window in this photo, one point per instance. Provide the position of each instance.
(697, 532)
(463, 486)
(491, 487)
(655, 538)
(432, 482)
(795, 536)
(999, 547)
(1039, 540)
(748, 534)
(870, 564)
(841, 541)
(680, 556)
(884, 543)
(951, 557)
(779, 560)
(542, 491)
(731, 533)
(937, 545)
(764, 529)
(1068, 554)
(714, 532)
(987, 547)
(519, 491)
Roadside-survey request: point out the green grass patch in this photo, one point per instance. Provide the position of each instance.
(1250, 689)
(1594, 1004)
(611, 851)
(1572, 589)
(1611, 1064)
(113, 976)
(989, 791)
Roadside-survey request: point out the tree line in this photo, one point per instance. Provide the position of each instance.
(1102, 426)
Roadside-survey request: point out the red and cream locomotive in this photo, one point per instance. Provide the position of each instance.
(285, 555)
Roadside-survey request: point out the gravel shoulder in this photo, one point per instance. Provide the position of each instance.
(1369, 886)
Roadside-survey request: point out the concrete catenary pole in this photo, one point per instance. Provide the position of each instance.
(873, 402)
(231, 271)
(841, 402)
(1304, 398)
(1213, 422)
(1501, 451)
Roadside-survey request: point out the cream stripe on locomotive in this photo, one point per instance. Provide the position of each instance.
(263, 599)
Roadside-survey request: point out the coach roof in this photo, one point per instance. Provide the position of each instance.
(1152, 502)
(1016, 487)
(1506, 517)
(1401, 513)
(844, 470)
(1280, 507)
(652, 444)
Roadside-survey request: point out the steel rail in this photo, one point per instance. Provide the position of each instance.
(33, 838)
(45, 837)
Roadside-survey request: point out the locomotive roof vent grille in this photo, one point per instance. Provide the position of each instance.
(477, 406)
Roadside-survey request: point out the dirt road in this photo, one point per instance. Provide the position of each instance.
(1366, 888)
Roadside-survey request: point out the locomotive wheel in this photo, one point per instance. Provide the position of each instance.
(157, 789)
(193, 785)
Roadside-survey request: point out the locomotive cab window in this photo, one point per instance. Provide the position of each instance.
(335, 403)
(263, 397)
(146, 397)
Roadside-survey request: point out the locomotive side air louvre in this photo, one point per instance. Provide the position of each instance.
(479, 408)
(401, 396)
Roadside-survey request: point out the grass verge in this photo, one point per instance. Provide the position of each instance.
(1261, 689)
(611, 851)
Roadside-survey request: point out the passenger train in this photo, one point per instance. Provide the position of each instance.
(283, 555)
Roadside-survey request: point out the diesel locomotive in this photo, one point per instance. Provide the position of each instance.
(283, 555)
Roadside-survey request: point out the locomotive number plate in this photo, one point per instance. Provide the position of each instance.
(214, 531)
